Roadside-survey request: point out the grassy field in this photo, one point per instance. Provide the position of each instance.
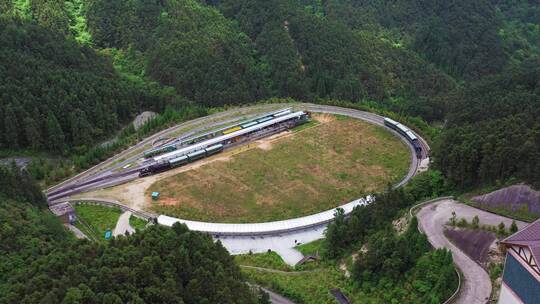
(315, 169)
(312, 248)
(137, 223)
(94, 220)
(304, 287)
(265, 260)
(302, 284)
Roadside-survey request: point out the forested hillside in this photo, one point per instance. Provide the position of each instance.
(58, 95)
(75, 71)
(493, 130)
(40, 262)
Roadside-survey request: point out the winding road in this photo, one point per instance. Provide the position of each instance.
(476, 284)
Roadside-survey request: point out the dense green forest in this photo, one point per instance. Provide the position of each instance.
(74, 71)
(493, 132)
(397, 268)
(41, 262)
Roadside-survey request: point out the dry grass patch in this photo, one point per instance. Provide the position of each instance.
(294, 175)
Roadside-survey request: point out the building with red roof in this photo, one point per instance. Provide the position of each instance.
(521, 277)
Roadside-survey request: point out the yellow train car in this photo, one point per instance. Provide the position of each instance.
(232, 130)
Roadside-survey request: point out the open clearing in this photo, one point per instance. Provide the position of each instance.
(295, 174)
(94, 220)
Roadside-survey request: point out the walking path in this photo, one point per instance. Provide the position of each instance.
(277, 298)
(274, 297)
(476, 285)
(278, 271)
(123, 226)
(78, 233)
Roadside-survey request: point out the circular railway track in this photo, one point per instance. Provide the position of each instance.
(99, 177)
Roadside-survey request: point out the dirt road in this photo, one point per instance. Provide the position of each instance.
(476, 285)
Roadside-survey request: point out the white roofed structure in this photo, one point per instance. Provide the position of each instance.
(222, 138)
(267, 227)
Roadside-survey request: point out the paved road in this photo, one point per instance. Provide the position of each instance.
(123, 226)
(282, 243)
(276, 298)
(476, 285)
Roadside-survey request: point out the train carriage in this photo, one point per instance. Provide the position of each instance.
(403, 130)
(214, 149)
(179, 161)
(217, 144)
(196, 155)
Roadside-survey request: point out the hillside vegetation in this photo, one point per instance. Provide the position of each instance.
(74, 71)
(103, 61)
(40, 262)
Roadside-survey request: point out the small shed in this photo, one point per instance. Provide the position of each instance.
(155, 195)
(65, 212)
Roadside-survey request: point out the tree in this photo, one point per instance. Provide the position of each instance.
(11, 127)
(453, 219)
(513, 227)
(55, 135)
(501, 229)
(81, 130)
(334, 241)
(33, 136)
(50, 14)
(475, 222)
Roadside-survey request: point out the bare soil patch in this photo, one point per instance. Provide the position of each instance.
(475, 243)
(323, 118)
(511, 198)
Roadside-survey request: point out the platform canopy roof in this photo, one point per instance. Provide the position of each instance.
(529, 237)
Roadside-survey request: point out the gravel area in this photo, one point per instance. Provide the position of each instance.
(143, 118)
(123, 226)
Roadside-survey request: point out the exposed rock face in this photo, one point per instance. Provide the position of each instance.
(142, 118)
(512, 197)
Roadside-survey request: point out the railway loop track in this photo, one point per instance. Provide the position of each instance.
(100, 176)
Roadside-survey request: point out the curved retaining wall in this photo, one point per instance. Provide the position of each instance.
(267, 227)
